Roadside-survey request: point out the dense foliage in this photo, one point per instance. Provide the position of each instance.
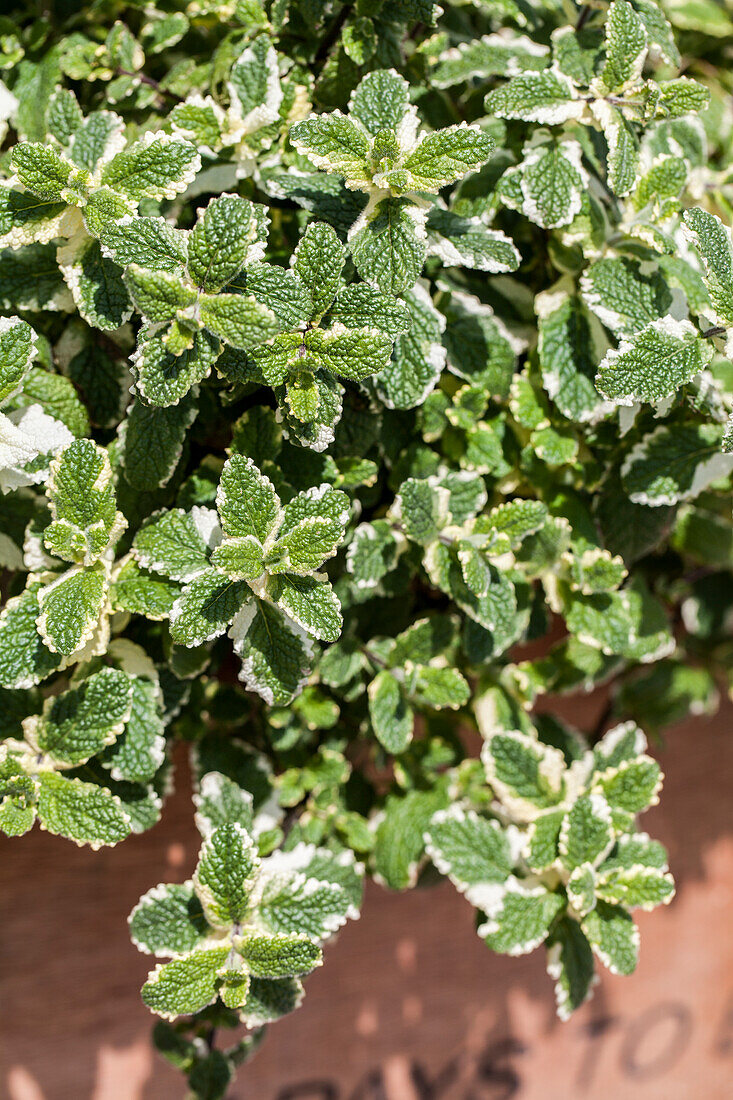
(345, 348)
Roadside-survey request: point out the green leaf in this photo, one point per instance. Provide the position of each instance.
(80, 722)
(372, 553)
(423, 509)
(221, 801)
(229, 233)
(82, 812)
(436, 687)
(246, 500)
(303, 397)
(613, 936)
(17, 798)
(553, 181)
(306, 546)
(381, 100)
(349, 354)
(17, 349)
(490, 55)
(339, 867)
(302, 904)
(238, 319)
(279, 956)
(334, 143)
(24, 658)
(30, 278)
(586, 835)
(418, 357)
(150, 242)
(630, 623)
(85, 520)
(623, 148)
(391, 715)
(675, 463)
(445, 156)
(281, 291)
(712, 240)
(480, 348)
(389, 249)
(95, 282)
(48, 174)
(519, 917)
(185, 985)
(570, 344)
(63, 115)
(636, 887)
(151, 441)
(626, 47)
(543, 840)
(268, 1001)
(70, 608)
(206, 606)
(318, 502)
(139, 752)
(581, 889)
(254, 86)
(466, 242)
(310, 603)
(527, 775)
(158, 295)
(545, 97)
(400, 846)
(168, 920)
(25, 218)
(163, 378)
(654, 363)
(570, 965)
(318, 261)
(621, 743)
(518, 518)
(200, 120)
(137, 591)
(625, 296)
(276, 654)
(633, 786)
(361, 306)
(659, 32)
(318, 433)
(156, 167)
(103, 208)
(57, 397)
(242, 559)
(472, 851)
(100, 136)
(225, 874)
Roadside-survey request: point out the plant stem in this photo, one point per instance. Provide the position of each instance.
(583, 16)
(151, 83)
(716, 330)
(336, 27)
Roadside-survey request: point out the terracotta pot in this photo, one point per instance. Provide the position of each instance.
(410, 1005)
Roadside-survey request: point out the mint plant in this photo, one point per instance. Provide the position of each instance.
(346, 348)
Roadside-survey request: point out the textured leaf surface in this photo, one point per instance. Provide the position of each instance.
(80, 722)
(391, 716)
(225, 874)
(673, 464)
(185, 985)
(389, 251)
(653, 364)
(82, 812)
(168, 920)
(275, 653)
